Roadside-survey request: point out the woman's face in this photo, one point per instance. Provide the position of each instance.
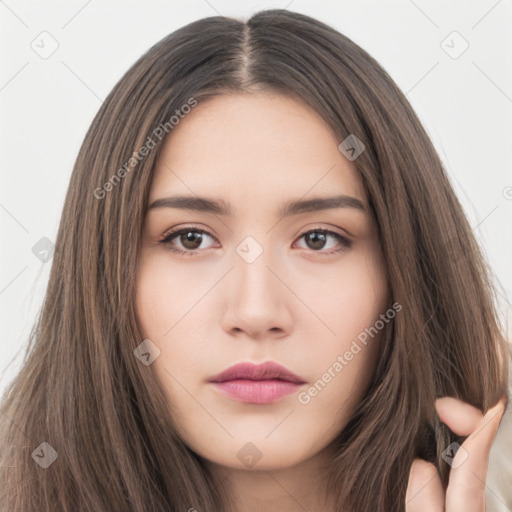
(275, 277)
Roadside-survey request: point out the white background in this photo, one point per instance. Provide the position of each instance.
(46, 106)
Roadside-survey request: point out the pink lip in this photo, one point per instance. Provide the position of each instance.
(257, 384)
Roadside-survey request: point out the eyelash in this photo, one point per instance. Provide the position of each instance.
(168, 237)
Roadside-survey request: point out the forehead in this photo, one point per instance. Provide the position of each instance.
(246, 146)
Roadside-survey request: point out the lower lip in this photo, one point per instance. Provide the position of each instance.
(257, 391)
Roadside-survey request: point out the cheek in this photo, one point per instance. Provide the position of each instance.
(165, 297)
(167, 308)
(350, 306)
(351, 296)
(154, 313)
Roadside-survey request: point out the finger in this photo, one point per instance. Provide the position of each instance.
(466, 486)
(461, 418)
(425, 491)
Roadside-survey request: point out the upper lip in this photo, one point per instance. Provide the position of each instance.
(251, 371)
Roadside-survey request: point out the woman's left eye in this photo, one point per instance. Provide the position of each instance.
(191, 240)
(319, 237)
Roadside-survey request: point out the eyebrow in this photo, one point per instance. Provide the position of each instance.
(219, 207)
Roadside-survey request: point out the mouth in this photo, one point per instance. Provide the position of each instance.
(257, 384)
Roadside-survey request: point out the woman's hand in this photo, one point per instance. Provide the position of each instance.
(466, 485)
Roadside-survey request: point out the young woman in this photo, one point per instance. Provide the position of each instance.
(264, 296)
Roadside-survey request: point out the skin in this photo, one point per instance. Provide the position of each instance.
(294, 304)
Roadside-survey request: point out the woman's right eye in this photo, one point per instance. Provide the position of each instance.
(189, 238)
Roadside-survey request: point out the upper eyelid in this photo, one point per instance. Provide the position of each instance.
(172, 232)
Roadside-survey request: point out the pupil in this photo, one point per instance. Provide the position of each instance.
(317, 239)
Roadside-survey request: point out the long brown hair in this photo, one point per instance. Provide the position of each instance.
(82, 391)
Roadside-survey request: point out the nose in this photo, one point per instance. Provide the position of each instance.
(258, 300)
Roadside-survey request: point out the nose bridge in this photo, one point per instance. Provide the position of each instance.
(257, 300)
(254, 279)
